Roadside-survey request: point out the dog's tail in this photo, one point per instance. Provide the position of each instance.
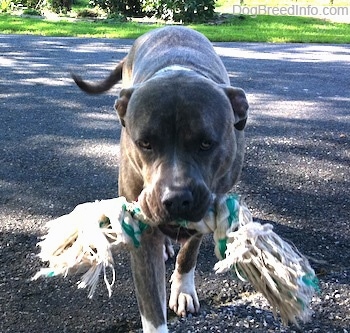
(99, 87)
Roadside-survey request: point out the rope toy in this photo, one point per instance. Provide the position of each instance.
(84, 239)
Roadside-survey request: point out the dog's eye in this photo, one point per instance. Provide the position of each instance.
(205, 145)
(144, 144)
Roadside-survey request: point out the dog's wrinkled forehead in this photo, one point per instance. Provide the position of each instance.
(187, 111)
(190, 98)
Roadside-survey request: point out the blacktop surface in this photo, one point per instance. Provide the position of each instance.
(59, 147)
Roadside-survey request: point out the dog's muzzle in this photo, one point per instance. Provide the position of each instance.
(175, 203)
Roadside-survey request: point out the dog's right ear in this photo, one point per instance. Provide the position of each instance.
(121, 103)
(239, 105)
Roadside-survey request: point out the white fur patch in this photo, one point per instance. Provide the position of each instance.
(148, 327)
(168, 249)
(173, 68)
(183, 297)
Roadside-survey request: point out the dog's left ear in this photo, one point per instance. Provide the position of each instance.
(121, 103)
(239, 105)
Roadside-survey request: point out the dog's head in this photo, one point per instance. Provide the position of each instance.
(184, 136)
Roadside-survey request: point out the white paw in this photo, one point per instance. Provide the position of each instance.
(168, 249)
(183, 297)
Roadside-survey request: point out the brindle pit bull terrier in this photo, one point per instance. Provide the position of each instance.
(182, 141)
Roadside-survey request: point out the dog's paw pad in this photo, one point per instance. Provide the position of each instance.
(183, 297)
(184, 303)
(168, 249)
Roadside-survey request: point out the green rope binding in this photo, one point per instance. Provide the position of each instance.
(232, 204)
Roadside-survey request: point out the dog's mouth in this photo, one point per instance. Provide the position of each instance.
(160, 213)
(177, 232)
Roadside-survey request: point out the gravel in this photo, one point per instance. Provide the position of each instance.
(60, 148)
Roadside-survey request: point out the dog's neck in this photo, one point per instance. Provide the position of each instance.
(172, 68)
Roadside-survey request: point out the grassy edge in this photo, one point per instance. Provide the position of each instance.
(66, 28)
(274, 29)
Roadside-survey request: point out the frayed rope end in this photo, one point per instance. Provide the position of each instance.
(255, 253)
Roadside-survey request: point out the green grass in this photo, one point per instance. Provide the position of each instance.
(274, 29)
(278, 29)
(27, 25)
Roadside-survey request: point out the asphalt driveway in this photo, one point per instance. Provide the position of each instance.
(59, 147)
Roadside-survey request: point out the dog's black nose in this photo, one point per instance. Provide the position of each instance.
(177, 202)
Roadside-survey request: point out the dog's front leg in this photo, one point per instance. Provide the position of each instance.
(183, 297)
(148, 269)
